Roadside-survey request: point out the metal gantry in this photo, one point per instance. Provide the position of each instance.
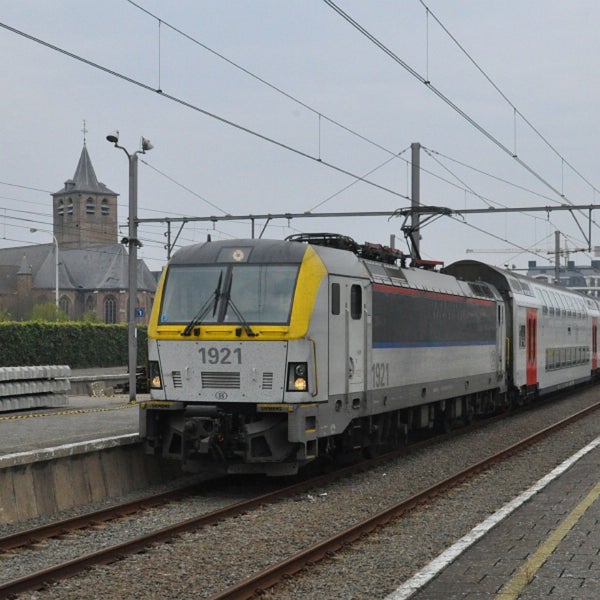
(431, 212)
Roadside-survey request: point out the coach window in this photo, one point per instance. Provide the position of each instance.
(545, 302)
(562, 305)
(356, 301)
(569, 304)
(335, 298)
(555, 304)
(521, 336)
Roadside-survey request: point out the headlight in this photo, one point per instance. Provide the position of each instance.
(297, 379)
(154, 375)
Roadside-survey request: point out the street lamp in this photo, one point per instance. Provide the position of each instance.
(34, 230)
(133, 243)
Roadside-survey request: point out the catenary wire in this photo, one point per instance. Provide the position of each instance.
(358, 178)
(262, 80)
(200, 110)
(508, 101)
(485, 200)
(187, 189)
(443, 97)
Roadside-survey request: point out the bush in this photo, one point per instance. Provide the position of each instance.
(48, 311)
(79, 345)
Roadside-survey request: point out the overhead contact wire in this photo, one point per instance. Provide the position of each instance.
(200, 110)
(505, 97)
(244, 70)
(440, 95)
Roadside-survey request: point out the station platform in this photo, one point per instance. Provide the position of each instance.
(543, 544)
(32, 434)
(61, 458)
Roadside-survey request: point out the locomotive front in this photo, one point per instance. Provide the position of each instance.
(232, 366)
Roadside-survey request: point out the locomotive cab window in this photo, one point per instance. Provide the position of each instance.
(241, 293)
(356, 301)
(335, 298)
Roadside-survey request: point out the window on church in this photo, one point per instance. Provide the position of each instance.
(104, 208)
(110, 310)
(61, 208)
(65, 306)
(90, 207)
(70, 207)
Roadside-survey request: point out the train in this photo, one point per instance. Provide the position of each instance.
(265, 356)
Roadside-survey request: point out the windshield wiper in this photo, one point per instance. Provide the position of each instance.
(226, 294)
(197, 320)
(243, 321)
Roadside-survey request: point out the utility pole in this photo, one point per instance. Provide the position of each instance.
(132, 243)
(557, 257)
(415, 220)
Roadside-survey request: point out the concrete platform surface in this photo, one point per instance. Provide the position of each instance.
(84, 418)
(543, 544)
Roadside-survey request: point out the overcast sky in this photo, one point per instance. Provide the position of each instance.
(345, 101)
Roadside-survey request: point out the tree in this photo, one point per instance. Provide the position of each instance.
(91, 317)
(48, 311)
(5, 315)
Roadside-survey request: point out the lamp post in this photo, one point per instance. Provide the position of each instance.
(34, 230)
(132, 243)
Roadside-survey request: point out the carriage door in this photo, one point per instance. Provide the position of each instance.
(531, 346)
(347, 332)
(594, 344)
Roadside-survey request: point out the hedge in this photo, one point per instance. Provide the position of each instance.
(79, 345)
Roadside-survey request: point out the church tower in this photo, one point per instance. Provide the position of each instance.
(85, 210)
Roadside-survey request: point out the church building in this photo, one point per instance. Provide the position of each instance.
(85, 258)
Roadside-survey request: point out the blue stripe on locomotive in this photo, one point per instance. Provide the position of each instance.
(433, 344)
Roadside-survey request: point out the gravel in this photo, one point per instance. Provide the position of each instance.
(201, 564)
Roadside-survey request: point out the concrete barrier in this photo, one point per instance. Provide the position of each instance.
(97, 385)
(22, 388)
(44, 482)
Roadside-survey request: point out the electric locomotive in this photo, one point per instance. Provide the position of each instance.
(265, 355)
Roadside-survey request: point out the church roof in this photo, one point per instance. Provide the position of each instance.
(22, 260)
(85, 179)
(103, 268)
(97, 268)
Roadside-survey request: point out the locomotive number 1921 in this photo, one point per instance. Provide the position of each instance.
(381, 374)
(220, 356)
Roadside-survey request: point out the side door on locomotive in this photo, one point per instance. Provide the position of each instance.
(349, 330)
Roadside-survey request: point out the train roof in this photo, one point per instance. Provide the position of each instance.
(508, 281)
(242, 250)
(343, 261)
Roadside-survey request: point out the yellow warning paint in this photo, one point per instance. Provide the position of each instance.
(526, 573)
(78, 411)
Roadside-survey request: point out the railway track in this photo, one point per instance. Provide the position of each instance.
(269, 577)
(274, 573)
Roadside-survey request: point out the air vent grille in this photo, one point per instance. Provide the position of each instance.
(176, 375)
(219, 380)
(267, 381)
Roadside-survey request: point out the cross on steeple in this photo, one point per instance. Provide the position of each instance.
(84, 130)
